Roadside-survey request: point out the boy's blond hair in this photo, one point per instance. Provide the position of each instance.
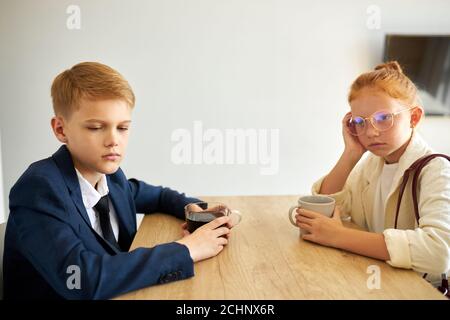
(91, 81)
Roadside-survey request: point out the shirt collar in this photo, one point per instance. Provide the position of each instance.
(89, 194)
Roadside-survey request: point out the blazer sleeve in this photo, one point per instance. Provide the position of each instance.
(427, 248)
(149, 199)
(45, 237)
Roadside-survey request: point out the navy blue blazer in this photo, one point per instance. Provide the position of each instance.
(49, 237)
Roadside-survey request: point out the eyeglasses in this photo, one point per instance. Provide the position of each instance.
(381, 120)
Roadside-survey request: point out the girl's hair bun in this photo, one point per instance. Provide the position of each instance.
(389, 78)
(391, 65)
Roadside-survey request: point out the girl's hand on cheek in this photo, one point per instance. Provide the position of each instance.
(352, 144)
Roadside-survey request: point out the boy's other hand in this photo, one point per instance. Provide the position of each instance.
(185, 232)
(208, 240)
(184, 229)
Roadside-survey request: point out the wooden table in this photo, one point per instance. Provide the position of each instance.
(266, 259)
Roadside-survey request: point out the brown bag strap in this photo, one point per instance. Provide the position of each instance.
(417, 167)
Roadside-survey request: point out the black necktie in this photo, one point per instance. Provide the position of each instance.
(102, 208)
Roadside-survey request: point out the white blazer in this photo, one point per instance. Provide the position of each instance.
(425, 247)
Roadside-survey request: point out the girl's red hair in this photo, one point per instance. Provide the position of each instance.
(388, 78)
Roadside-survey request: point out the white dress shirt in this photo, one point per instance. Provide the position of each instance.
(90, 198)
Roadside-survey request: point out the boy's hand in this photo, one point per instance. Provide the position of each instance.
(352, 145)
(208, 240)
(322, 230)
(195, 208)
(185, 231)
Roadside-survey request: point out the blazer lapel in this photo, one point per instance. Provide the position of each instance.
(415, 150)
(65, 164)
(367, 194)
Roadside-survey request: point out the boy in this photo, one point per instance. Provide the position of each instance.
(75, 212)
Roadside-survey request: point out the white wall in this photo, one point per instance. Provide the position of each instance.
(2, 220)
(2, 233)
(2, 203)
(262, 64)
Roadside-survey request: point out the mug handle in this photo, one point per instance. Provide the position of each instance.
(290, 214)
(239, 214)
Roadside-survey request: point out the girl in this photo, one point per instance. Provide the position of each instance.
(384, 113)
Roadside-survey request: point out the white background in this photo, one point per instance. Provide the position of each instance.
(2, 203)
(250, 64)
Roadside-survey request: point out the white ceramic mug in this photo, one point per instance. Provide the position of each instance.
(320, 203)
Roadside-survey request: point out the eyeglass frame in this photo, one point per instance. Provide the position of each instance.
(370, 118)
